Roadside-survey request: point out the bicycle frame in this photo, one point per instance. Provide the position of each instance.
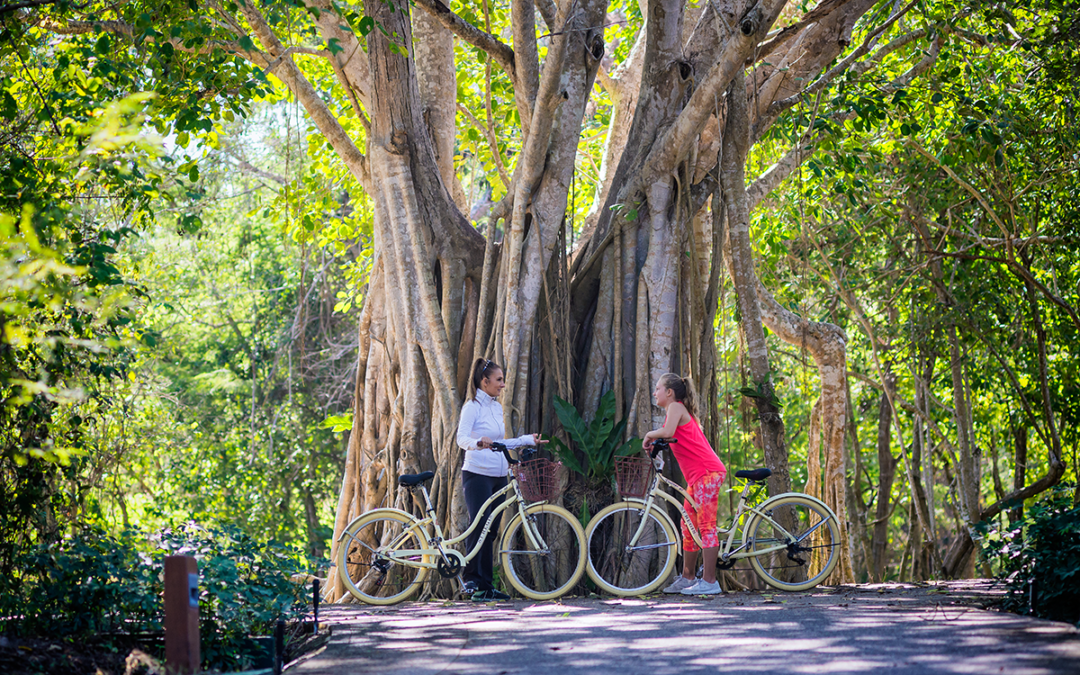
(438, 541)
(725, 552)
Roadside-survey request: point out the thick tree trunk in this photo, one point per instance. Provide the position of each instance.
(744, 279)
(1020, 458)
(886, 474)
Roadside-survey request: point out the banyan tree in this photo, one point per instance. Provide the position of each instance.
(574, 308)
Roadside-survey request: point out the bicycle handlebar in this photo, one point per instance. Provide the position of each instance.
(659, 444)
(499, 447)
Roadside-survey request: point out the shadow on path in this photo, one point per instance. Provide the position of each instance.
(904, 628)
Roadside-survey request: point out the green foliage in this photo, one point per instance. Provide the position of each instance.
(245, 587)
(164, 318)
(1038, 558)
(67, 313)
(94, 584)
(599, 442)
(87, 584)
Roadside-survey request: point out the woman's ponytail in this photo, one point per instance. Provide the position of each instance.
(481, 368)
(690, 399)
(683, 389)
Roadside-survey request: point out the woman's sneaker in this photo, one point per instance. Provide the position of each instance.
(679, 584)
(703, 587)
(489, 595)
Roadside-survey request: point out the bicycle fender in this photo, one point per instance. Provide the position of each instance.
(387, 510)
(801, 495)
(806, 497)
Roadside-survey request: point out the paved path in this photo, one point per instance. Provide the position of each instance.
(900, 627)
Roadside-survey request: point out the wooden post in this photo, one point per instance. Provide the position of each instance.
(315, 604)
(181, 615)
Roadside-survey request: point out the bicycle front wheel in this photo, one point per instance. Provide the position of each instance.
(543, 556)
(623, 565)
(379, 557)
(796, 546)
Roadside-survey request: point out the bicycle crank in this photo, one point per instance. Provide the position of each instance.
(448, 567)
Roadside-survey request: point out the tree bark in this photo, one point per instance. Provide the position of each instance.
(886, 474)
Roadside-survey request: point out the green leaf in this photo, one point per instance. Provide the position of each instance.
(566, 455)
(10, 108)
(366, 25)
(571, 421)
(333, 46)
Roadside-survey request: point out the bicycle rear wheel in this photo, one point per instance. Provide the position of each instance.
(376, 556)
(552, 568)
(806, 557)
(622, 569)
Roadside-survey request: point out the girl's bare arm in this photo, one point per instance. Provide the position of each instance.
(676, 412)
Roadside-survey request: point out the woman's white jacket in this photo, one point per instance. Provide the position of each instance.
(483, 416)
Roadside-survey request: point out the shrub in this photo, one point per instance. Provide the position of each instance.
(245, 586)
(94, 584)
(599, 442)
(1038, 558)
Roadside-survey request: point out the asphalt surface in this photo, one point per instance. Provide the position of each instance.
(904, 628)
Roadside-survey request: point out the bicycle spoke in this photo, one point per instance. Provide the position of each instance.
(371, 567)
(553, 565)
(795, 547)
(630, 552)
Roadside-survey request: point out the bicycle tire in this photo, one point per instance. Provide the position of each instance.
(368, 576)
(625, 573)
(817, 554)
(543, 576)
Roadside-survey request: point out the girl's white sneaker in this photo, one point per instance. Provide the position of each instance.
(703, 587)
(679, 584)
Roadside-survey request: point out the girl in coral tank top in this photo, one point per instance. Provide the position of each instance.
(704, 473)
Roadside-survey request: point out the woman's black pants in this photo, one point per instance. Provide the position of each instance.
(478, 489)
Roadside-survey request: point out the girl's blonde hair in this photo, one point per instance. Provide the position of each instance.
(684, 392)
(481, 368)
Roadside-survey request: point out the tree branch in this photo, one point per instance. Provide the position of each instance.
(502, 54)
(675, 142)
(124, 29)
(794, 157)
(492, 141)
(549, 11)
(1020, 271)
(823, 8)
(299, 85)
(776, 107)
(5, 9)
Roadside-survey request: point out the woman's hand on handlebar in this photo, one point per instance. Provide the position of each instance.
(483, 443)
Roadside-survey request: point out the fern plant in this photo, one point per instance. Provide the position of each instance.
(598, 442)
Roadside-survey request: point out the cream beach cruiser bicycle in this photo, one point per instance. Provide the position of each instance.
(791, 540)
(383, 556)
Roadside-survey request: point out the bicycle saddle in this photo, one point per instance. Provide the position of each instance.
(410, 480)
(754, 474)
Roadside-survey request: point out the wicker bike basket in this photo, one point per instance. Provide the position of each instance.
(633, 475)
(537, 479)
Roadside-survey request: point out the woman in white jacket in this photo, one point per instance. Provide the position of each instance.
(484, 472)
